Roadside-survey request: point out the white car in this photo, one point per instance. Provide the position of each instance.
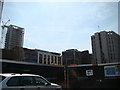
(26, 82)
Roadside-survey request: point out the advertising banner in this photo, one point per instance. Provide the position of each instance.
(112, 70)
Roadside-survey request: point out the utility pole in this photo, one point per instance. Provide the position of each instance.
(1, 9)
(3, 30)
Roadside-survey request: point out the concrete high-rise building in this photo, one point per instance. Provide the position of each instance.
(105, 47)
(14, 37)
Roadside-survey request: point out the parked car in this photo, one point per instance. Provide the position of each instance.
(26, 82)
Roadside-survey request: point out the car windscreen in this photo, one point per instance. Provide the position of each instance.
(2, 78)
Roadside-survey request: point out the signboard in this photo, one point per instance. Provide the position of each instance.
(112, 70)
(89, 72)
(118, 70)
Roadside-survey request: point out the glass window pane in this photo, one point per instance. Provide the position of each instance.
(40, 81)
(13, 81)
(25, 81)
(40, 58)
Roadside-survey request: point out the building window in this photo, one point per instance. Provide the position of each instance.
(44, 59)
(59, 60)
(34, 58)
(26, 57)
(51, 59)
(40, 58)
(48, 59)
(55, 59)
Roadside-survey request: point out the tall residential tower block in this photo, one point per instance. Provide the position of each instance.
(105, 47)
(14, 37)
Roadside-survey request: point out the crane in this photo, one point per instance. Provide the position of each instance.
(3, 29)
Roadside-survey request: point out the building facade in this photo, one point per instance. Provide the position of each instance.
(8, 54)
(42, 57)
(46, 57)
(105, 47)
(86, 57)
(75, 57)
(32, 56)
(71, 56)
(14, 37)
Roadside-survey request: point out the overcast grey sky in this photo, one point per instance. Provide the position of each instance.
(57, 26)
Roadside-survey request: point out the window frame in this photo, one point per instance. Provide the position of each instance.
(19, 81)
(48, 83)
